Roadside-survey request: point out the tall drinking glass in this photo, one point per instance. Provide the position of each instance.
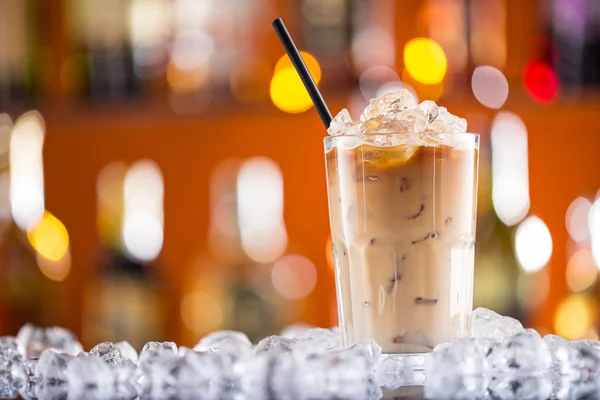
(403, 215)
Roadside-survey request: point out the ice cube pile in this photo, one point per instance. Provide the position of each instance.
(501, 360)
(398, 112)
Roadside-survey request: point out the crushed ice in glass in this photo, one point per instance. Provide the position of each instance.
(398, 112)
(501, 360)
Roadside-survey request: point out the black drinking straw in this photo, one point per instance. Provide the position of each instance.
(307, 79)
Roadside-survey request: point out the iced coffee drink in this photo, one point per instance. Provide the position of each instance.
(402, 198)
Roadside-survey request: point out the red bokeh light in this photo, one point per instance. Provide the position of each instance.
(540, 81)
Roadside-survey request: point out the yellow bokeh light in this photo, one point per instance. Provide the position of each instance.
(425, 60)
(421, 90)
(310, 61)
(55, 270)
(573, 317)
(50, 238)
(201, 312)
(287, 90)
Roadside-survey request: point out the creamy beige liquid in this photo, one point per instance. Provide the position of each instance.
(403, 228)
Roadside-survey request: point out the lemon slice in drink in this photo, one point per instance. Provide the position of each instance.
(386, 157)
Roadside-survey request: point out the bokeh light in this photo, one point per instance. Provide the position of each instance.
(374, 78)
(573, 317)
(533, 244)
(143, 217)
(510, 169)
(540, 81)
(294, 276)
(490, 86)
(576, 219)
(371, 47)
(27, 170)
(50, 238)
(594, 226)
(55, 270)
(581, 272)
(420, 90)
(260, 209)
(425, 60)
(201, 312)
(287, 90)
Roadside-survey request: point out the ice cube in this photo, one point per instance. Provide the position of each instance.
(456, 370)
(389, 105)
(369, 350)
(274, 344)
(35, 340)
(11, 349)
(52, 366)
(488, 324)
(230, 360)
(30, 366)
(215, 340)
(42, 390)
(344, 374)
(579, 361)
(520, 387)
(320, 339)
(447, 122)
(281, 375)
(153, 350)
(28, 392)
(12, 378)
(89, 377)
(523, 353)
(430, 109)
(127, 351)
(294, 330)
(554, 342)
(185, 372)
(107, 353)
(394, 371)
(255, 376)
(342, 124)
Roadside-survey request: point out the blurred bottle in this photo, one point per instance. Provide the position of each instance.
(285, 274)
(575, 27)
(327, 27)
(496, 268)
(27, 295)
(126, 299)
(225, 289)
(17, 40)
(105, 50)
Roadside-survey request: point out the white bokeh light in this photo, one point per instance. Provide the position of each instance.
(594, 226)
(27, 170)
(143, 216)
(260, 209)
(576, 219)
(294, 276)
(533, 244)
(490, 86)
(510, 170)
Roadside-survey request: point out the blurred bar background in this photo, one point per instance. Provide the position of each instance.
(161, 167)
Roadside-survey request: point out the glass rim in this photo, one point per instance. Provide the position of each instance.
(403, 134)
(457, 135)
